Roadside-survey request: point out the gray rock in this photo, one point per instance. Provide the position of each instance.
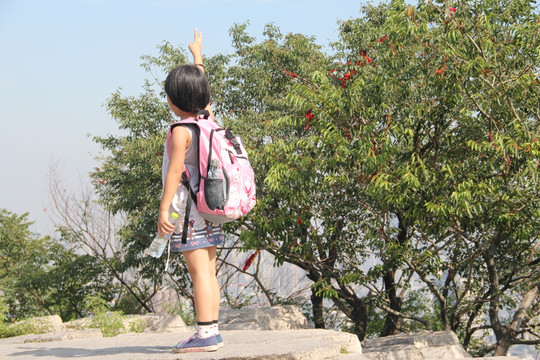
(61, 335)
(439, 345)
(286, 317)
(45, 323)
(168, 323)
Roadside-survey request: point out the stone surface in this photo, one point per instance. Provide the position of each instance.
(311, 344)
(60, 335)
(286, 317)
(439, 345)
(267, 334)
(45, 323)
(167, 323)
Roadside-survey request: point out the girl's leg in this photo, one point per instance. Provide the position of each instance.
(201, 265)
(215, 284)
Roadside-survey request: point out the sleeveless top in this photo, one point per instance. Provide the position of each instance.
(200, 231)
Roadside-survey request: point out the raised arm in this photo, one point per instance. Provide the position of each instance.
(196, 50)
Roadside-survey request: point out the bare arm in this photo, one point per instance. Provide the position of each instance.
(180, 140)
(196, 50)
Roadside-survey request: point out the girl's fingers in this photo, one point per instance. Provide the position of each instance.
(197, 36)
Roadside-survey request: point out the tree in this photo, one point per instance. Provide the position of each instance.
(39, 276)
(446, 117)
(459, 166)
(86, 227)
(429, 125)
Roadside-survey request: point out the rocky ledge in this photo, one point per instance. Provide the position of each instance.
(277, 333)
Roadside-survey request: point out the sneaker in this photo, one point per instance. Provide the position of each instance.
(219, 341)
(196, 344)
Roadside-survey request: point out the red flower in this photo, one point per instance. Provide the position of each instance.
(250, 259)
(383, 38)
(452, 9)
(293, 75)
(299, 221)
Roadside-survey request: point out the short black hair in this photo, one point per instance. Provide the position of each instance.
(188, 88)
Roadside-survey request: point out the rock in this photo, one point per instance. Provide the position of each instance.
(286, 317)
(78, 324)
(139, 323)
(53, 336)
(39, 325)
(65, 335)
(168, 323)
(435, 345)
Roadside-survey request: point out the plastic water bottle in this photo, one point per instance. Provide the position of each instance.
(213, 170)
(159, 243)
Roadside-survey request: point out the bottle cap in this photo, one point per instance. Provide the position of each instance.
(174, 215)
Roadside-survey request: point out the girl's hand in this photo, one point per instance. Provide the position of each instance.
(196, 46)
(164, 227)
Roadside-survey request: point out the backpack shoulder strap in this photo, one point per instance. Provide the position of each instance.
(201, 115)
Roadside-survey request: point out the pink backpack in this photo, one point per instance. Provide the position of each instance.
(226, 179)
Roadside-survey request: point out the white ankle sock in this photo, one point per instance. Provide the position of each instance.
(205, 331)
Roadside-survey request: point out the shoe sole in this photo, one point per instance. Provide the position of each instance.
(196, 349)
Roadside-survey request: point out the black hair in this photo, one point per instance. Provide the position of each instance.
(188, 88)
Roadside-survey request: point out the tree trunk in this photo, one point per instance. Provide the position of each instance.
(393, 321)
(511, 330)
(318, 310)
(359, 316)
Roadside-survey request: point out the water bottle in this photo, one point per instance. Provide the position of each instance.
(159, 243)
(213, 170)
(213, 189)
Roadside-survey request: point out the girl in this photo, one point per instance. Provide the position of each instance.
(188, 92)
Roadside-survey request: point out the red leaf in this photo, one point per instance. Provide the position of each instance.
(440, 71)
(309, 115)
(250, 259)
(293, 75)
(452, 9)
(383, 38)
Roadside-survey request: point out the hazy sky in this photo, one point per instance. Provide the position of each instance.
(61, 59)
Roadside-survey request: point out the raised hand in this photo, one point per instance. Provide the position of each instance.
(196, 47)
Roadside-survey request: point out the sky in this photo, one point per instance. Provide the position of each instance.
(60, 60)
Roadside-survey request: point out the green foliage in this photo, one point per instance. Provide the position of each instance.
(111, 323)
(183, 310)
(39, 276)
(8, 329)
(138, 326)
